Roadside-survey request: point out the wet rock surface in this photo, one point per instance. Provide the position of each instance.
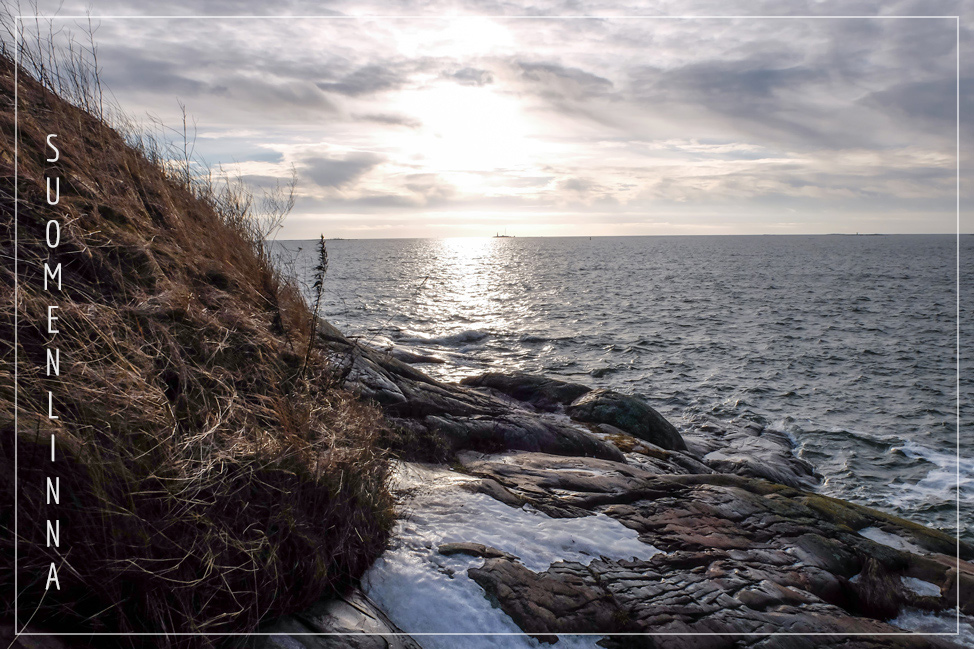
(540, 391)
(748, 449)
(740, 555)
(466, 418)
(350, 622)
(629, 414)
(474, 549)
(746, 547)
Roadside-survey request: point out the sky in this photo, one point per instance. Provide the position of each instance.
(562, 119)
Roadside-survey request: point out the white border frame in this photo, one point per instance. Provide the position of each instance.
(17, 22)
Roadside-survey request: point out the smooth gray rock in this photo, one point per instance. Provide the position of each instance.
(360, 621)
(628, 413)
(414, 357)
(540, 391)
(749, 449)
(520, 431)
(474, 550)
(466, 418)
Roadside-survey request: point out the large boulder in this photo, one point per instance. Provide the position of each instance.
(748, 449)
(540, 391)
(520, 431)
(631, 414)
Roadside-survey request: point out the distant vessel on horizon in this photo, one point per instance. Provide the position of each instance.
(504, 236)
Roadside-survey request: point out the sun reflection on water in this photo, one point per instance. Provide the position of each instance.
(468, 287)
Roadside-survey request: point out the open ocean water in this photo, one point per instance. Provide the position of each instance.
(847, 343)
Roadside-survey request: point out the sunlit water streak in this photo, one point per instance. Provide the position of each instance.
(845, 342)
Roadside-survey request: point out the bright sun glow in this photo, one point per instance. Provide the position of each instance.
(467, 36)
(466, 129)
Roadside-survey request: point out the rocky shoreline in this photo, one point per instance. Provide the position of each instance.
(741, 543)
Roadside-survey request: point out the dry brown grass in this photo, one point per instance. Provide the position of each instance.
(207, 483)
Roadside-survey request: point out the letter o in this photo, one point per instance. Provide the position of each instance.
(57, 231)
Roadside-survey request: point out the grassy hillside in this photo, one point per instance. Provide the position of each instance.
(209, 478)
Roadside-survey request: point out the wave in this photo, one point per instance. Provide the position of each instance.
(448, 340)
(942, 481)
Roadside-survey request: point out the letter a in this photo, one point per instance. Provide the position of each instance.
(52, 576)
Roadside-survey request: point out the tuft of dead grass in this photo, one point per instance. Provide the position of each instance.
(207, 482)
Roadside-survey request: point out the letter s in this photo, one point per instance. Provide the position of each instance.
(57, 153)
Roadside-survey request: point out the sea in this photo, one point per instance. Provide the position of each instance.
(847, 343)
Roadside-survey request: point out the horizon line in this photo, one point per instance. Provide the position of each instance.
(616, 236)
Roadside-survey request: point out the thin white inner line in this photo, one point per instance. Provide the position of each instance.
(16, 301)
(610, 17)
(957, 354)
(17, 20)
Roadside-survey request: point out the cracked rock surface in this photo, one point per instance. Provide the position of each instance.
(747, 546)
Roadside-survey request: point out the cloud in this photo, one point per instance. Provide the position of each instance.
(338, 172)
(471, 77)
(430, 187)
(557, 81)
(747, 93)
(390, 119)
(600, 114)
(579, 185)
(262, 181)
(138, 72)
(367, 80)
(925, 101)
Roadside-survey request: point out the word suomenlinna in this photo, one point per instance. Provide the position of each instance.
(52, 282)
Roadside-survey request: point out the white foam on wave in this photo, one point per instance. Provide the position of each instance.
(423, 591)
(941, 483)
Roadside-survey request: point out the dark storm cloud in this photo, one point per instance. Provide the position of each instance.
(338, 172)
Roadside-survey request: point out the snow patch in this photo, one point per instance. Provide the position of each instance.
(423, 591)
(920, 587)
(890, 540)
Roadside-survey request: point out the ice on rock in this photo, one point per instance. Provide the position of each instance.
(889, 540)
(423, 591)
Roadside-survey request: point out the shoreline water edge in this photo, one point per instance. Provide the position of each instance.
(563, 510)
